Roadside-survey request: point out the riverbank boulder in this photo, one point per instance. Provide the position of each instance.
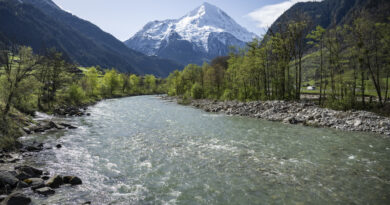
(46, 191)
(35, 183)
(16, 199)
(25, 172)
(7, 182)
(54, 182)
(298, 112)
(72, 180)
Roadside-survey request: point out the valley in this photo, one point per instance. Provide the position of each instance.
(196, 108)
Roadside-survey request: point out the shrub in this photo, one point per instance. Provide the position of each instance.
(197, 91)
(76, 94)
(227, 95)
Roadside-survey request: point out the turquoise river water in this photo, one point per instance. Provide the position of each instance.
(144, 150)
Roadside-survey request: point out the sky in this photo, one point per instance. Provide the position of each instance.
(123, 18)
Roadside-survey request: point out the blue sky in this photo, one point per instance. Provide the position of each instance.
(123, 18)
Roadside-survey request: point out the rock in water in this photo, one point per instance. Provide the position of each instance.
(29, 171)
(2, 197)
(21, 185)
(54, 182)
(35, 183)
(7, 178)
(45, 191)
(17, 199)
(73, 180)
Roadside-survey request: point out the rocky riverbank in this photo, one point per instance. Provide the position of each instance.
(17, 180)
(305, 113)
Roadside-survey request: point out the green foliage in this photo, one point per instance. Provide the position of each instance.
(110, 83)
(349, 62)
(91, 80)
(76, 94)
(196, 91)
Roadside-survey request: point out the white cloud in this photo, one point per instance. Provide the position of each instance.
(266, 15)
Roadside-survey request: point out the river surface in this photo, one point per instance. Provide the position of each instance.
(144, 150)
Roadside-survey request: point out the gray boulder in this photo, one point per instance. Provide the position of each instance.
(35, 183)
(73, 180)
(27, 171)
(21, 185)
(54, 182)
(17, 199)
(46, 191)
(7, 178)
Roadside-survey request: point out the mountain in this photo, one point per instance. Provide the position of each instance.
(42, 24)
(199, 36)
(331, 13)
(328, 14)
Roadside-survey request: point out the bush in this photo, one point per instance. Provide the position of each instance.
(197, 91)
(9, 132)
(76, 94)
(227, 95)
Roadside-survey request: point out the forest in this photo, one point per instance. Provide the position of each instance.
(352, 67)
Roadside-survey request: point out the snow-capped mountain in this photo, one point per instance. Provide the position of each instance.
(199, 36)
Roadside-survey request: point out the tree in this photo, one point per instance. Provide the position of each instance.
(317, 37)
(18, 65)
(134, 84)
(53, 74)
(125, 82)
(91, 77)
(150, 83)
(110, 82)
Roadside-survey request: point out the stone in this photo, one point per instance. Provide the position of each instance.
(46, 191)
(290, 120)
(29, 171)
(53, 125)
(26, 130)
(7, 178)
(34, 181)
(17, 199)
(59, 146)
(68, 126)
(73, 180)
(56, 126)
(2, 197)
(54, 182)
(86, 203)
(21, 185)
(357, 123)
(32, 148)
(45, 177)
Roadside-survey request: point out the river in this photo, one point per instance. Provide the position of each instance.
(144, 150)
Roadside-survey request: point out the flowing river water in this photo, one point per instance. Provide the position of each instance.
(144, 150)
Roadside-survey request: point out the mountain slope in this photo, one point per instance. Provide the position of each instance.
(199, 36)
(330, 13)
(41, 24)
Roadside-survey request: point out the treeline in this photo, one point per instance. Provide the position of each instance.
(351, 58)
(31, 82)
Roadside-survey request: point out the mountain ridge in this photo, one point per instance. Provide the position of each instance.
(200, 35)
(40, 23)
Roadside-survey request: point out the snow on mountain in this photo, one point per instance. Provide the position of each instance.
(198, 27)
